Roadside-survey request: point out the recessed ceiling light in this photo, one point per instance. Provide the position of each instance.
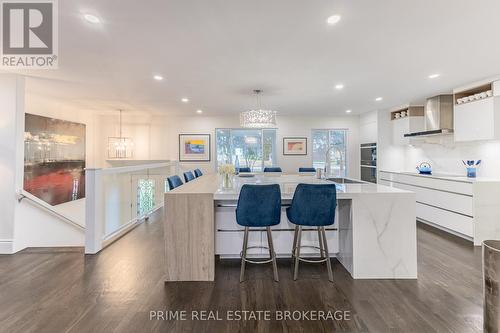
(339, 86)
(333, 19)
(348, 111)
(199, 111)
(185, 100)
(378, 99)
(433, 76)
(91, 18)
(158, 77)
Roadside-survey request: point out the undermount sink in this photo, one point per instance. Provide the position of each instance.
(341, 180)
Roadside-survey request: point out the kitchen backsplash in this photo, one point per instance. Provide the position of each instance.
(447, 156)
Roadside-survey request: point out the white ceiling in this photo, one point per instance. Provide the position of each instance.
(215, 52)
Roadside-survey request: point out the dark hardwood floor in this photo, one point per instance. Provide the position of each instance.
(65, 291)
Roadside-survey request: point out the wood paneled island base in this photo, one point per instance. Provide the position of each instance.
(189, 231)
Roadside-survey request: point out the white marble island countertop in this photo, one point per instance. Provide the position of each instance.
(288, 183)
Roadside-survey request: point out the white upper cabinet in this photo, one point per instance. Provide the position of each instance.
(400, 127)
(411, 121)
(477, 118)
(368, 127)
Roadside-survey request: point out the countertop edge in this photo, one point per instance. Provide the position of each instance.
(458, 179)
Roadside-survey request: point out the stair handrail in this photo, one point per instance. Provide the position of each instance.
(22, 194)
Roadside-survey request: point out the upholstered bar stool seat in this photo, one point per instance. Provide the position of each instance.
(198, 173)
(259, 206)
(313, 205)
(188, 176)
(174, 181)
(272, 169)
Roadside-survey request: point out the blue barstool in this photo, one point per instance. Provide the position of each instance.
(307, 170)
(198, 173)
(188, 176)
(244, 170)
(272, 169)
(313, 205)
(259, 206)
(174, 181)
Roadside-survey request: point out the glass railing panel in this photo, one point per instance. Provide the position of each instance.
(132, 195)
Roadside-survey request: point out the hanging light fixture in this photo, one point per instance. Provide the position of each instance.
(258, 118)
(120, 147)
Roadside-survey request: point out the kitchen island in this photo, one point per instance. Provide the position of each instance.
(374, 235)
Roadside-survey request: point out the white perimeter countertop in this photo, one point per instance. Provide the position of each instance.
(446, 176)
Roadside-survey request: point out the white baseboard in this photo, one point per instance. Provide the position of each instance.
(6, 246)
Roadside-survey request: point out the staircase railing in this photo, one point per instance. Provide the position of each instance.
(118, 199)
(23, 195)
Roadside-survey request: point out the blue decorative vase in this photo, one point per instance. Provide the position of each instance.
(471, 172)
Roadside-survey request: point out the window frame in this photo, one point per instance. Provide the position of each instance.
(275, 153)
(346, 145)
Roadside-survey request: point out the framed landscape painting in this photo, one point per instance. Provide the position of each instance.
(194, 147)
(295, 146)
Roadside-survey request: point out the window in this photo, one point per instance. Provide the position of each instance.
(252, 148)
(145, 196)
(334, 140)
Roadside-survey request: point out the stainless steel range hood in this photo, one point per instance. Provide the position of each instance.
(438, 116)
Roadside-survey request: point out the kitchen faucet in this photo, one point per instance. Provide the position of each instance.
(328, 163)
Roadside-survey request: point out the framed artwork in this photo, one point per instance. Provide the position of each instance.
(294, 146)
(194, 147)
(54, 159)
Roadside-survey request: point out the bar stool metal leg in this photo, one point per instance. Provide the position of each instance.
(295, 240)
(272, 254)
(320, 241)
(244, 254)
(297, 255)
(328, 263)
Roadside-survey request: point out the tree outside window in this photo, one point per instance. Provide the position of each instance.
(253, 148)
(334, 140)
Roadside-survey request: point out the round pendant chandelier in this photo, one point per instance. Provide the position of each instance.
(258, 118)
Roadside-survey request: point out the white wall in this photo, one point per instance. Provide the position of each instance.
(35, 227)
(157, 137)
(52, 108)
(286, 126)
(12, 103)
(368, 132)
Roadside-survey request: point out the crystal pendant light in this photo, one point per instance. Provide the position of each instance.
(258, 118)
(120, 147)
